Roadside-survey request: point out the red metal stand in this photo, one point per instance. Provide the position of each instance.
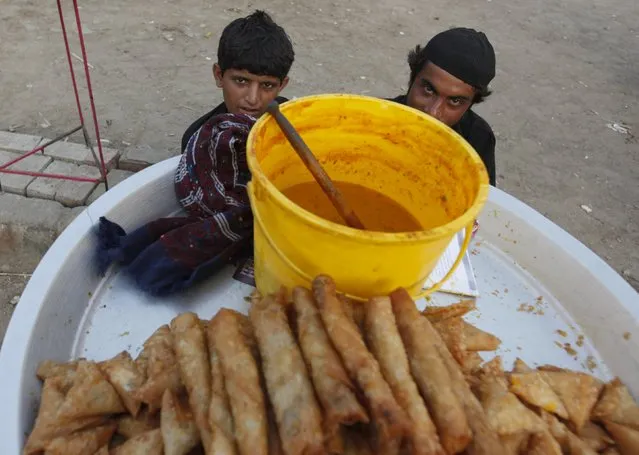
(99, 159)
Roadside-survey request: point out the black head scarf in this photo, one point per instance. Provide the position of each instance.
(465, 53)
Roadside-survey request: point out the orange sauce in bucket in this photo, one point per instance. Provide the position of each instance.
(376, 211)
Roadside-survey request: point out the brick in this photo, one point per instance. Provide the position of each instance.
(114, 177)
(28, 227)
(67, 192)
(13, 183)
(68, 216)
(15, 142)
(34, 213)
(138, 157)
(81, 154)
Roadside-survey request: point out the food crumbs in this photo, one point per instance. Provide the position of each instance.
(506, 291)
(568, 348)
(527, 308)
(590, 363)
(626, 336)
(539, 304)
(580, 340)
(90, 293)
(559, 344)
(562, 333)
(123, 334)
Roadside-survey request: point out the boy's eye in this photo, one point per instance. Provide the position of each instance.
(241, 80)
(428, 89)
(456, 102)
(268, 85)
(427, 86)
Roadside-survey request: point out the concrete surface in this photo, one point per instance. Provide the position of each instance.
(13, 183)
(137, 157)
(565, 104)
(114, 177)
(11, 286)
(28, 227)
(566, 75)
(67, 192)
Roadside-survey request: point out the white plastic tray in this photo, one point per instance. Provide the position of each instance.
(536, 282)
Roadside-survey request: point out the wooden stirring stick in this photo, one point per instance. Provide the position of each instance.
(336, 197)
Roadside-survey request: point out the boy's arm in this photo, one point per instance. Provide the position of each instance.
(488, 156)
(481, 137)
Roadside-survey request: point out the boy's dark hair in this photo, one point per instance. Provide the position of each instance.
(417, 59)
(255, 43)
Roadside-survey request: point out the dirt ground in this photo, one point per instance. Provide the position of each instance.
(565, 104)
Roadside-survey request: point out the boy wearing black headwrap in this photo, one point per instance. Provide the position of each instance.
(447, 77)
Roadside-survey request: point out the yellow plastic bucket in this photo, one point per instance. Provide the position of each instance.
(415, 160)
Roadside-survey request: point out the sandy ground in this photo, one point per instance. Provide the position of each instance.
(566, 74)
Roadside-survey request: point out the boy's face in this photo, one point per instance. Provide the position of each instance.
(440, 94)
(245, 92)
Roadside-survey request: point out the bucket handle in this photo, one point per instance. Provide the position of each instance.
(257, 218)
(460, 256)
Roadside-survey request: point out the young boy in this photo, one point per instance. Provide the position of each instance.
(172, 254)
(254, 57)
(447, 77)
